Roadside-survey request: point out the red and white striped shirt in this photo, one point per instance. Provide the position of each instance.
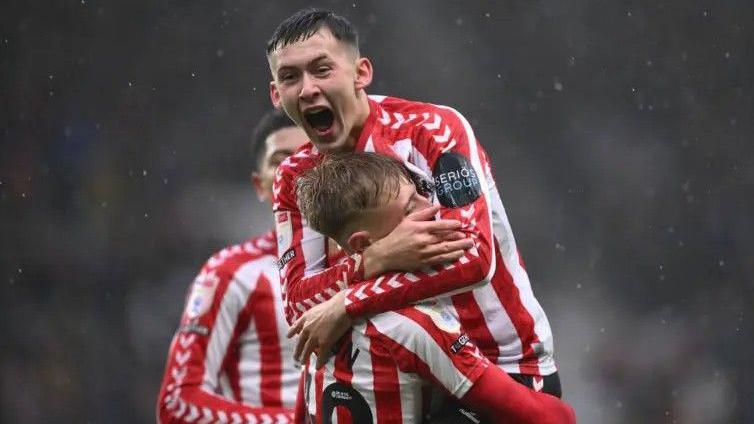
(489, 287)
(230, 360)
(383, 374)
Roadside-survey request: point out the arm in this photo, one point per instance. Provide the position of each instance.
(451, 150)
(426, 340)
(189, 386)
(496, 394)
(457, 163)
(306, 279)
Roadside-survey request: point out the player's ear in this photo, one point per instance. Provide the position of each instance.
(256, 181)
(363, 73)
(358, 241)
(274, 95)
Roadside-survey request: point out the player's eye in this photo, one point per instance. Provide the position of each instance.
(323, 70)
(409, 208)
(287, 77)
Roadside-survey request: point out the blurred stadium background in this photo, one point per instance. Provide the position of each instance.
(621, 136)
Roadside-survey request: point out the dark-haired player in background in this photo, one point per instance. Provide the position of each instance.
(230, 361)
(469, 255)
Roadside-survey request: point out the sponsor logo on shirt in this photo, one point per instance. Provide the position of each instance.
(341, 395)
(287, 256)
(459, 343)
(456, 182)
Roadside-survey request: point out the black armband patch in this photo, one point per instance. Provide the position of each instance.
(459, 343)
(456, 182)
(194, 327)
(287, 256)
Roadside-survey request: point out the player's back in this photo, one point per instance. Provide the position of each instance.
(230, 353)
(384, 369)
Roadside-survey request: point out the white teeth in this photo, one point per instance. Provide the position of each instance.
(315, 110)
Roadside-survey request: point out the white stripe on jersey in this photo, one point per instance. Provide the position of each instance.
(311, 245)
(222, 331)
(249, 367)
(234, 299)
(411, 396)
(541, 324)
(501, 327)
(407, 333)
(287, 379)
(363, 378)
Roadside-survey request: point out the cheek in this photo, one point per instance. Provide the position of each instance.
(422, 203)
(267, 175)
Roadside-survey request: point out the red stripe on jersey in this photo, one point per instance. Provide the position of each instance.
(232, 359)
(319, 387)
(387, 391)
(475, 325)
(267, 329)
(344, 373)
(509, 296)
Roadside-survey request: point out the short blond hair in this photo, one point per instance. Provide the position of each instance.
(333, 194)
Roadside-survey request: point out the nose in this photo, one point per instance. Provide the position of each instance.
(309, 88)
(422, 202)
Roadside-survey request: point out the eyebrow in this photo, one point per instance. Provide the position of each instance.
(410, 197)
(315, 60)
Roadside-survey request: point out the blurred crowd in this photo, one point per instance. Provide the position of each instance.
(621, 133)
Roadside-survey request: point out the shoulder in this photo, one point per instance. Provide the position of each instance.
(426, 120)
(303, 158)
(225, 263)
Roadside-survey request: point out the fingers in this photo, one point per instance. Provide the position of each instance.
(448, 247)
(302, 339)
(444, 258)
(424, 214)
(296, 327)
(309, 347)
(446, 236)
(439, 225)
(323, 355)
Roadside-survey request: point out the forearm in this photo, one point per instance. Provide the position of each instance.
(304, 292)
(190, 403)
(496, 394)
(398, 290)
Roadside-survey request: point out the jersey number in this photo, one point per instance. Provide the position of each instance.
(339, 394)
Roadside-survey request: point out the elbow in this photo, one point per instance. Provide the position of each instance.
(479, 271)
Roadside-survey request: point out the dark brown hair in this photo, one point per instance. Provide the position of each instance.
(304, 23)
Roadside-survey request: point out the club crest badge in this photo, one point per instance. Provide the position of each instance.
(440, 315)
(284, 230)
(202, 293)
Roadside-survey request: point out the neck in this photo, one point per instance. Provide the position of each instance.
(362, 113)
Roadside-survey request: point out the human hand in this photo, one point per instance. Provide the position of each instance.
(417, 242)
(320, 328)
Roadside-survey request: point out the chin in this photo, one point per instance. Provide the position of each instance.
(331, 146)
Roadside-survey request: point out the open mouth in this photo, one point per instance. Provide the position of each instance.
(320, 120)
